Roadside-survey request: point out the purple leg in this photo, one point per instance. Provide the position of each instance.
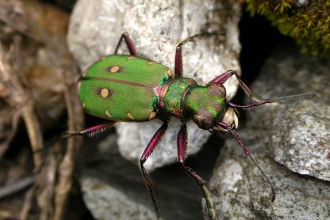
(223, 78)
(240, 143)
(92, 131)
(178, 55)
(182, 155)
(128, 42)
(178, 59)
(147, 152)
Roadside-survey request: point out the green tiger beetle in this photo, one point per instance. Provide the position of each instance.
(128, 88)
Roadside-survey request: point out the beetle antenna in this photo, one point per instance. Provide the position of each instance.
(267, 101)
(291, 97)
(265, 177)
(239, 141)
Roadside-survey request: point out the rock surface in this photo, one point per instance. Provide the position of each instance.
(289, 141)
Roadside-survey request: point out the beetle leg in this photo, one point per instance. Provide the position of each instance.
(128, 42)
(223, 78)
(178, 57)
(182, 155)
(89, 132)
(240, 143)
(178, 53)
(92, 131)
(178, 60)
(147, 152)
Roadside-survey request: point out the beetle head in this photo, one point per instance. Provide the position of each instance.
(207, 106)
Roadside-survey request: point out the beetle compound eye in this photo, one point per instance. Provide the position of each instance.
(203, 121)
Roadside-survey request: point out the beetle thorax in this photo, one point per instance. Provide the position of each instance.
(206, 105)
(172, 95)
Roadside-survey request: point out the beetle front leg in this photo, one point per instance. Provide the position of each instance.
(147, 152)
(182, 155)
(223, 78)
(129, 43)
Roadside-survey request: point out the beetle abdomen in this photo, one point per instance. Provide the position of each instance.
(122, 88)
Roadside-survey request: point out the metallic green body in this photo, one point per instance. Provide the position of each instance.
(174, 95)
(128, 88)
(122, 88)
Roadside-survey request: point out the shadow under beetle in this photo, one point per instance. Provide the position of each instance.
(128, 88)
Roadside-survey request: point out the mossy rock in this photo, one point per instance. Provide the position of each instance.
(305, 21)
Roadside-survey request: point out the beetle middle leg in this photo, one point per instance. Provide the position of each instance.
(182, 155)
(147, 152)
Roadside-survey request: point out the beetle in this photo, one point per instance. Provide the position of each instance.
(105, 91)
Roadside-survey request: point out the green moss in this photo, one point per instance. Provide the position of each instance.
(308, 24)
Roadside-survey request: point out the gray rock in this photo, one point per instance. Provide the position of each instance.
(156, 27)
(99, 197)
(113, 187)
(289, 141)
(302, 143)
(299, 130)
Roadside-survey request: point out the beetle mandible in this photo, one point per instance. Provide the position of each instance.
(105, 91)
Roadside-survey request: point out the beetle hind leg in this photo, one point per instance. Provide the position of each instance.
(182, 155)
(129, 44)
(95, 131)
